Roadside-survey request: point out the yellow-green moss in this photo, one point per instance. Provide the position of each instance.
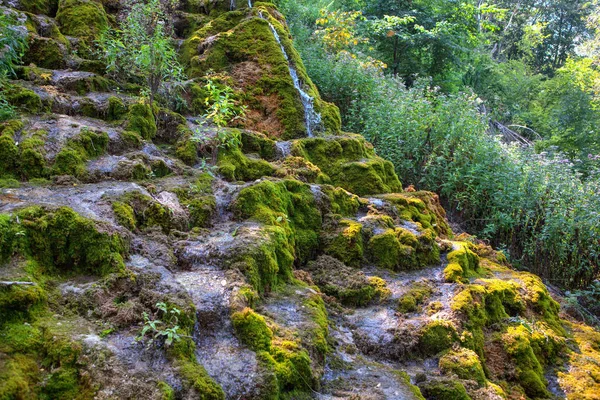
(349, 162)
(65, 241)
(81, 18)
(141, 120)
(147, 212)
(341, 201)
(347, 243)
(335, 279)
(416, 295)
(399, 249)
(286, 205)
(24, 99)
(124, 214)
(46, 7)
(192, 373)
(462, 263)
(236, 166)
(440, 389)
(463, 363)
(436, 336)
(252, 329)
(423, 208)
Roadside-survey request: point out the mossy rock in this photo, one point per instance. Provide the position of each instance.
(289, 206)
(416, 295)
(45, 52)
(252, 329)
(442, 389)
(242, 45)
(62, 240)
(349, 162)
(141, 120)
(463, 363)
(81, 18)
(47, 7)
(335, 279)
(400, 249)
(423, 208)
(346, 243)
(436, 337)
(234, 165)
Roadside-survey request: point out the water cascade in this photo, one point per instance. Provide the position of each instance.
(312, 119)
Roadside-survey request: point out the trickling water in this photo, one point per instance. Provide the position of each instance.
(249, 3)
(312, 119)
(231, 5)
(284, 149)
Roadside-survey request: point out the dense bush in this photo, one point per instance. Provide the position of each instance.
(537, 206)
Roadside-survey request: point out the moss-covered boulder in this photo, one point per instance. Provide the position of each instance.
(81, 18)
(349, 162)
(242, 45)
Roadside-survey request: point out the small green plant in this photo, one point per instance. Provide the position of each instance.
(161, 331)
(13, 43)
(222, 109)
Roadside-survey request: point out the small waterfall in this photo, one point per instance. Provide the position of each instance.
(312, 119)
(249, 3)
(231, 5)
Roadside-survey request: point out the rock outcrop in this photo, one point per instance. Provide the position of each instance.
(296, 267)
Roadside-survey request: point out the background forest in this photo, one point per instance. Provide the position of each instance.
(493, 105)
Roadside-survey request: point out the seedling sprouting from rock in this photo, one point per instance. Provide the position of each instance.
(159, 332)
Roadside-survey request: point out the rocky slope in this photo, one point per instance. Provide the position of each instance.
(296, 268)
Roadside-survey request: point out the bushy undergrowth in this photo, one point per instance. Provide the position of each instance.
(535, 205)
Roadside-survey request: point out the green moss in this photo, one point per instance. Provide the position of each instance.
(436, 336)
(201, 211)
(124, 215)
(444, 390)
(146, 212)
(116, 109)
(69, 162)
(166, 391)
(24, 99)
(198, 379)
(463, 363)
(252, 329)
(131, 139)
(268, 262)
(17, 301)
(349, 286)
(9, 183)
(32, 159)
(67, 242)
(399, 249)
(141, 120)
(349, 162)
(186, 149)
(72, 158)
(347, 243)
(255, 142)
(45, 52)
(81, 18)
(423, 208)
(235, 165)
(530, 373)
(289, 207)
(453, 273)
(46, 7)
(416, 295)
(341, 201)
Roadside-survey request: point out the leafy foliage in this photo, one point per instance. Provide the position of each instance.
(13, 43)
(160, 332)
(142, 49)
(222, 109)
